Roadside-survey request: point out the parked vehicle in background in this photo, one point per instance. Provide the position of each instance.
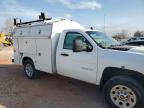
(135, 41)
(5, 41)
(65, 47)
(135, 38)
(1, 46)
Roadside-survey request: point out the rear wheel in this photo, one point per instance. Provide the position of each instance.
(124, 92)
(29, 69)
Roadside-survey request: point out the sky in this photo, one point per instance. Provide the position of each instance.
(118, 14)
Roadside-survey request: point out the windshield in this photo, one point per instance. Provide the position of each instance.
(102, 39)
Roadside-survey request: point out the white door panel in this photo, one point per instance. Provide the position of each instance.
(78, 65)
(44, 55)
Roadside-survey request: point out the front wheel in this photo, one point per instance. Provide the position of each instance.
(29, 69)
(124, 92)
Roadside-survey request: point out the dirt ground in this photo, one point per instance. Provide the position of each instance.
(50, 91)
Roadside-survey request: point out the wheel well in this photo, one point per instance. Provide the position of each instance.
(26, 58)
(112, 71)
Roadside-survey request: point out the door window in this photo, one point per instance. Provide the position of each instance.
(68, 43)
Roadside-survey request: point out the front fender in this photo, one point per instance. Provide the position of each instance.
(119, 59)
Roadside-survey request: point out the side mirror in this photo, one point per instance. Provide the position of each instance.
(79, 46)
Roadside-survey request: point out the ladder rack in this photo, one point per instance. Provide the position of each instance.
(41, 18)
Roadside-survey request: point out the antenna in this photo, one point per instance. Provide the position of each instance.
(15, 22)
(91, 28)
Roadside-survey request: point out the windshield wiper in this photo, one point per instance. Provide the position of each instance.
(115, 45)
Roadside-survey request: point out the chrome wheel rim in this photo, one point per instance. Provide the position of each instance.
(123, 96)
(29, 70)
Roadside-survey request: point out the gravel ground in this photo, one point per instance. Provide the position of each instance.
(50, 91)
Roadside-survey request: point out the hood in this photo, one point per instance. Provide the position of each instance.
(137, 49)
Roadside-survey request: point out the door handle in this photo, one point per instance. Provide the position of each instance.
(63, 54)
(39, 54)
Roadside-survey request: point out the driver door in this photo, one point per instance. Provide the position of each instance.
(79, 65)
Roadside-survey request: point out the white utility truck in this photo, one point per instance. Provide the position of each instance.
(65, 47)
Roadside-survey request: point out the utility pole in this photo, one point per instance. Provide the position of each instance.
(104, 23)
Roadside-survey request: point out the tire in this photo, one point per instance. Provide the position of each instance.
(30, 70)
(124, 92)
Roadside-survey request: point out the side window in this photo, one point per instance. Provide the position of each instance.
(70, 36)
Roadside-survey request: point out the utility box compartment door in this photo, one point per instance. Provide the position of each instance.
(22, 32)
(27, 45)
(44, 62)
(41, 31)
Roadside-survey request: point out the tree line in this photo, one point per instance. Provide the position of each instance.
(124, 34)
